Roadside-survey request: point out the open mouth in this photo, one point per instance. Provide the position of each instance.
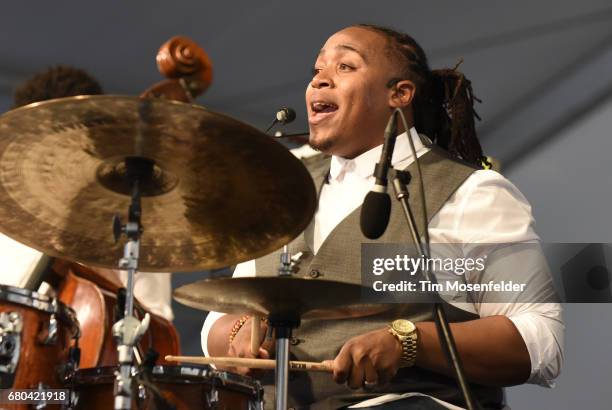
(320, 110)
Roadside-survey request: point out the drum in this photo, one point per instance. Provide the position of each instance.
(36, 333)
(180, 387)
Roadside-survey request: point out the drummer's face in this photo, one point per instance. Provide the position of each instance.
(347, 99)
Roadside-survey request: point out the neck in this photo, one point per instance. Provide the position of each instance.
(379, 140)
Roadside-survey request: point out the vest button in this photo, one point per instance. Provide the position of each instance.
(315, 273)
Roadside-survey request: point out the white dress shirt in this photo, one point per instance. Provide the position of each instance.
(153, 290)
(486, 209)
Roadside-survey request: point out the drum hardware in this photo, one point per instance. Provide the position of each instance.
(286, 263)
(256, 405)
(129, 330)
(142, 392)
(182, 387)
(11, 325)
(51, 334)
(42, 388)
(120, 312)
(212, 396)
(36, 335)
(283, 326)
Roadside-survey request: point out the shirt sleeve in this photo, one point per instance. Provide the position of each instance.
(153, 290)
(245, 269)
(496, 222)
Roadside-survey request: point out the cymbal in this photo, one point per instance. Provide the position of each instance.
(286, 296)
(221, 192)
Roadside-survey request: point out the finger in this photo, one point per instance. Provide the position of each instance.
(356, 377)
(371, 375)
(263, 353)
(243, 371)
(268, 345)
(386, 374)
(342, 365)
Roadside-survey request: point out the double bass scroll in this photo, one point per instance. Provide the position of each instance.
(186, 66)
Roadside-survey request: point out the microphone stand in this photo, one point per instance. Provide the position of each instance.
(401, 179)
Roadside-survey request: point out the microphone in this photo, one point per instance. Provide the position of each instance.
(284, 116)
(376, 208)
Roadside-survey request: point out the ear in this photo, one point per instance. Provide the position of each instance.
(402, 94)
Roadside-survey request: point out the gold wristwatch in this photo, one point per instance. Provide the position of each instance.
(406, 333)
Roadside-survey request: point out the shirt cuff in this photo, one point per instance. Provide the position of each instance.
(543, 336)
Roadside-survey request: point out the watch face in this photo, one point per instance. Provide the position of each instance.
(403, 327)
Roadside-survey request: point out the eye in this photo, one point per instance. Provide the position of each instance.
(345, 67)
(315, 71)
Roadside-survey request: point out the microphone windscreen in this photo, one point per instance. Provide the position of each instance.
(375, 213)
(285, 115)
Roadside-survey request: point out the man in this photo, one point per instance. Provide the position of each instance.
(152, 290)
(361, 74)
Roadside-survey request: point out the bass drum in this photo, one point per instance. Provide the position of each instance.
(36, 334)
(169, 387)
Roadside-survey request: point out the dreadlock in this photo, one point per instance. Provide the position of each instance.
(443, 104)
(56, 82)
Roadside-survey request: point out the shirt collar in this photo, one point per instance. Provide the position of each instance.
(363, 165)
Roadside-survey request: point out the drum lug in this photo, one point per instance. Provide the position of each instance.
(212, 397)
(256, 405)
(50, 337)
(41, 387)
(142, 392)
(11, 324)
(73, 400)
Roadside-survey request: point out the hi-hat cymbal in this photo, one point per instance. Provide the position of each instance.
(221, 192)
(292, 297)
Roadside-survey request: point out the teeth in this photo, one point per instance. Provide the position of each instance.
(319, 106)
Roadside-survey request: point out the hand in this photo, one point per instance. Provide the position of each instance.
(373, 357)
(241, 346)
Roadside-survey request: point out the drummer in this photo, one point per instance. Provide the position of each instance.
(360, 75)
(19, 261)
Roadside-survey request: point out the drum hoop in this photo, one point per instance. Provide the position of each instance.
(40, 302)
(191, 374)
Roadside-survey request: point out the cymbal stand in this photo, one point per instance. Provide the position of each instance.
(129, 330)
(283, 326)
(286, 265)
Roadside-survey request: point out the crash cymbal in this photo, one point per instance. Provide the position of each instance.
(284, 296)
(220, 192)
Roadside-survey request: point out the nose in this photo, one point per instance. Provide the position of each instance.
(321, 80)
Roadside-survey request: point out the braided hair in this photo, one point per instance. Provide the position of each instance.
(443, 105)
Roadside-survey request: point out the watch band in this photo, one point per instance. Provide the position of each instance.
(408, 343)
(409, 351)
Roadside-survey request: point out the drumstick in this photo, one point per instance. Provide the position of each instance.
(255, 334)
(253, 363)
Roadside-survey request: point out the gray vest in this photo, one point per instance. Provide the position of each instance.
(339, 258)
